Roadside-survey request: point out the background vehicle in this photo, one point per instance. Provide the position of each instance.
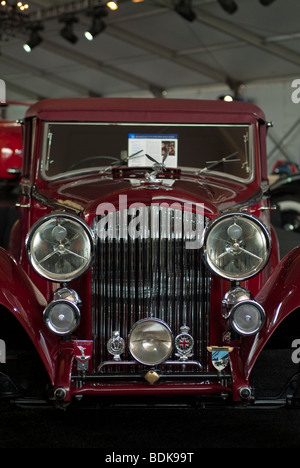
(11, 141)
(11, 159)
(285, 193)
(11, 147)
(144, 263)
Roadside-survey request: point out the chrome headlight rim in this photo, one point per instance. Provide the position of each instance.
(59, 278)
(166, 328)
(244, 216)
(234, 323)
(50, 323)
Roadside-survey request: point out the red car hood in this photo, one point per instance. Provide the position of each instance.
(89, 193)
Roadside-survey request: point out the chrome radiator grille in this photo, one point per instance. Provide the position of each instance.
(148, 268)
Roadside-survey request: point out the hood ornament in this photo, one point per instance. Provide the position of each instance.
(157, 167)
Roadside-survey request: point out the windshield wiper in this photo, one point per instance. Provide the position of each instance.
(213, 164)
(121, 161)
(133, 155)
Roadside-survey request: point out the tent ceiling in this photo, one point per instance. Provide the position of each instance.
(148, 49)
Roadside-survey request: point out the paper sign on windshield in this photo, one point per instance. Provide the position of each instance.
(156, 146)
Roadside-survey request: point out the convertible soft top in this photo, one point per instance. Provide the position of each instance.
(145, 110)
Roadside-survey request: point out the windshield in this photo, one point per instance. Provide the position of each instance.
(72, 148)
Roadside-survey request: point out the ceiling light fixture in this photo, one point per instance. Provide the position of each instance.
(98, 25)
(229, 6)
(184, 9)
(34, 39)
(112, 5)
(226, 97)
(13, 19)
(67, 31)
(21, 6)
(13, 6)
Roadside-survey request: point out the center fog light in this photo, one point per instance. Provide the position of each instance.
(247, 317)
(62, 317)
(150, 342)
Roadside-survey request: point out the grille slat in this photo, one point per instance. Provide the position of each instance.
(148, 272)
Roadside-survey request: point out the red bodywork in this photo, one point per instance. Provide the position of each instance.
(25, 293)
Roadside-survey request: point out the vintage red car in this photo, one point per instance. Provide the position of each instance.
(11, 150)
(143, 264)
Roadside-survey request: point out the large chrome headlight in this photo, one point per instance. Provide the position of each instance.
(237, 246)
(60, 247)
(150, 341)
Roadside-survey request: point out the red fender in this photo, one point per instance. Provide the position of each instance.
(279, 296)
(20, 296)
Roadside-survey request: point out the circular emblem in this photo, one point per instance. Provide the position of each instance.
(116, 345)
(184, 343)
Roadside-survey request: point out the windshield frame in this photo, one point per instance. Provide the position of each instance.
(106, 168)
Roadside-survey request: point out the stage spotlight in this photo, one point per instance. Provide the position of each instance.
(184, 9)
(98, 25)
(228, 5)
(34, 39)
(67, 31)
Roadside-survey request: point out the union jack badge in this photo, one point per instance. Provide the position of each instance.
(219, 356)
(184, 343)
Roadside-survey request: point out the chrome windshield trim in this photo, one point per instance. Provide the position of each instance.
(46, 156)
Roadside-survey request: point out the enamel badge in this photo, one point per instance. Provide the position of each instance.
(219, 356)
(184, 343)
(83, 352)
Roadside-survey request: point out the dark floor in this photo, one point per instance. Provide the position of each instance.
(183, 430)
(147, 431)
